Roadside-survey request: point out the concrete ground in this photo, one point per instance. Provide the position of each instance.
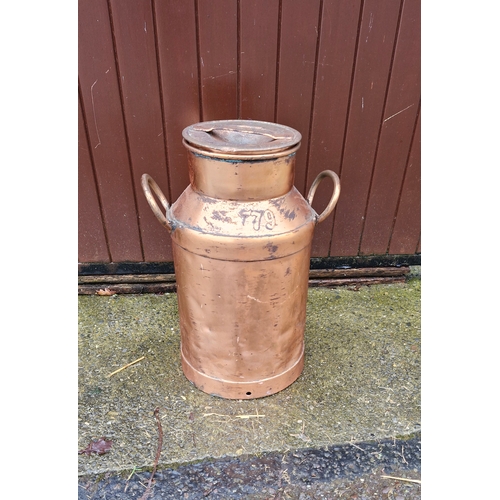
(360, 386)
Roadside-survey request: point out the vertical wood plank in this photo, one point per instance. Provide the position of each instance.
(258, 53)
(338, 34)
(91, 236)
(101, 102)
(176, 34)
(373, 60)
(406, 233)
(136, 55)
(218, 54)
(299, 37)
(179, 64)
(396, 134)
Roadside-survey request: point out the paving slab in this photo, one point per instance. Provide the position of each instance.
(361, 382)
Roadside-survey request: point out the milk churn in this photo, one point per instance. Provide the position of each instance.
(241, 235)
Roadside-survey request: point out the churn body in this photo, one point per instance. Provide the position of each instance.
(241, 235)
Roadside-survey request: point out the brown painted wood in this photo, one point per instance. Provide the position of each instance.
(134, 33)
(102, 106)
(126, 288)
(406, 234)
(373, 61)
(297, 59)
(176, 38)
(127, 278)
(396, 134)
(364, 272)
(338, 34)
(91, 236)
(346, 78)
(218, 56)
(119, 288)
(357, 282)
(258, 54)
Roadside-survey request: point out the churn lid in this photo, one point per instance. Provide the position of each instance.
(241, 136)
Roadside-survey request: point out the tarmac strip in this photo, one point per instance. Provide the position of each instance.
(388, 468)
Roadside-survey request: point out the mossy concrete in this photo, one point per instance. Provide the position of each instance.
(361, 380)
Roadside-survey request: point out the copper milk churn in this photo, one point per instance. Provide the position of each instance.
(241, 235)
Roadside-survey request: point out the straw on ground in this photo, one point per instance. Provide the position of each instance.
(418, 481)
(126, 366)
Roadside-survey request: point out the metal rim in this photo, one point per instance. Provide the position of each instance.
(241, 137)
(239, 157)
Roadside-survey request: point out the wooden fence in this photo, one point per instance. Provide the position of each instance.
(344, 73)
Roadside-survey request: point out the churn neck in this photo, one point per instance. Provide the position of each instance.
(241, 159)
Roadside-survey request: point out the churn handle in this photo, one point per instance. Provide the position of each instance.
(148, 182)
(335, 196)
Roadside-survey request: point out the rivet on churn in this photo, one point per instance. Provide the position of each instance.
(241, 235)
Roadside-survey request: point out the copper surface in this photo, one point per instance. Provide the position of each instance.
(148, 183)
(241, 137)
(241, 236)
(335, 196)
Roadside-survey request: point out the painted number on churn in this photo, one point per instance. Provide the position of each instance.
(258, 217)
